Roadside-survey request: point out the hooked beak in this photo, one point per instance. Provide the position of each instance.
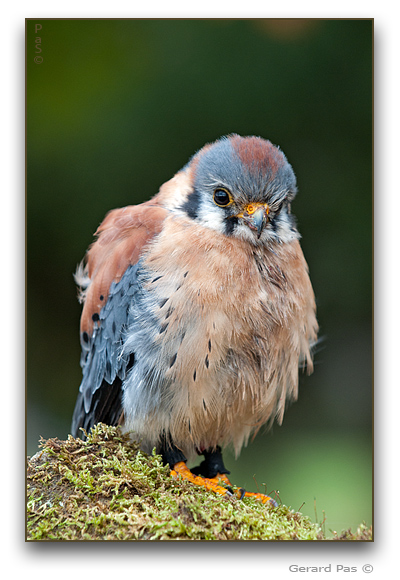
(255, 215)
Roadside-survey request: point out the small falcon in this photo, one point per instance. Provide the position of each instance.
(198, 310)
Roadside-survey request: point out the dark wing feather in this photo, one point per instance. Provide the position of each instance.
(106, 404)
(103, 367)
(112, 266)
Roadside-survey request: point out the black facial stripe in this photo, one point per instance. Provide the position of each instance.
(191, 205)
(230, 224)
(276, 218)
(273, 223)
(276, 212)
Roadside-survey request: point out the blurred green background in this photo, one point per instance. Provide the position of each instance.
(114, 109)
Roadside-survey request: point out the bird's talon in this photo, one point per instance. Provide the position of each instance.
(211, 484)
(260, 496)
(214, 484)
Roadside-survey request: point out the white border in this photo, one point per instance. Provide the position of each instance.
(235, 560)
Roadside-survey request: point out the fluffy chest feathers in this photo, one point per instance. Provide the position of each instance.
(219, 329)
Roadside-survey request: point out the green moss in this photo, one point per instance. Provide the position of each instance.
(105, 488)
(363, 533)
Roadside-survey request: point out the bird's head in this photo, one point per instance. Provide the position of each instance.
(243, 187)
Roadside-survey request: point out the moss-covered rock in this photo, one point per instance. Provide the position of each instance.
(105, 488)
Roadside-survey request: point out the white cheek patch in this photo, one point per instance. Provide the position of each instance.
(285, 230)
(211, 216)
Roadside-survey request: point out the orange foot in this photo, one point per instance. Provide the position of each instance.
(214, 484)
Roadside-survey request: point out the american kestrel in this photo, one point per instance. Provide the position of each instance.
(198, 310)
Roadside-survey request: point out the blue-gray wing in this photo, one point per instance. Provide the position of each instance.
(103, 364)
(110, 284)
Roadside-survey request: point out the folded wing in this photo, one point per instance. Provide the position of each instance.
(108, 287)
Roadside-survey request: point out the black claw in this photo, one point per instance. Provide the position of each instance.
(242, 491)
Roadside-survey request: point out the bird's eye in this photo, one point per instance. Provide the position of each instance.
(222, 197)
